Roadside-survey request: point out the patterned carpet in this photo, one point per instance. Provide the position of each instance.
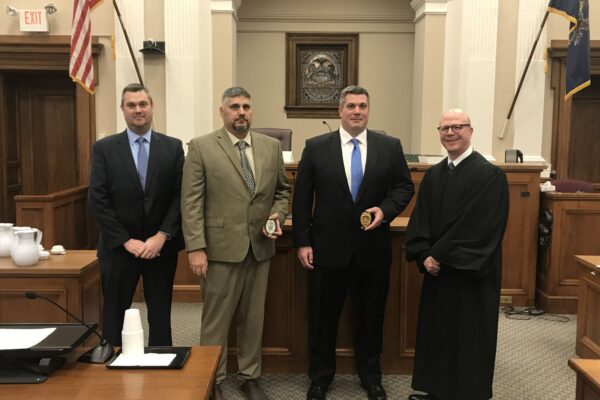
(531, 362)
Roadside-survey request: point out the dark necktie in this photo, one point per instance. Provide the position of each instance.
(142, 160)
(356, 172)
(248, 176)
(451, 167)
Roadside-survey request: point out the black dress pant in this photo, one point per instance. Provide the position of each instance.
(327, 292)
(119, 281)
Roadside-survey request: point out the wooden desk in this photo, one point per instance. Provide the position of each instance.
(79, 381)
(519, 250)
(588, 378)
(72, 280)
(588, 311)
(575, 230)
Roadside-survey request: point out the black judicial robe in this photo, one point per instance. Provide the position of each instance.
(459, 219)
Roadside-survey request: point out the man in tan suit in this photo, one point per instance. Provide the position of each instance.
(233, 182)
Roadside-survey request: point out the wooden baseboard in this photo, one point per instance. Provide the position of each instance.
(556, 304)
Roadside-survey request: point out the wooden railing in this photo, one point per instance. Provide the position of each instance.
(63, 217)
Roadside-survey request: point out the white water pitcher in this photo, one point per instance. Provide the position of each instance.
(6, 239)
(25, 251)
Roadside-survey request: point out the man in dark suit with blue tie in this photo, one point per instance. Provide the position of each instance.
(134, 195)
(344, 174)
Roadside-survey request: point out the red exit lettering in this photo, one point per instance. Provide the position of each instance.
(33, 17)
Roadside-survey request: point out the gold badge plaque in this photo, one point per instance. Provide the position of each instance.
(365, 219)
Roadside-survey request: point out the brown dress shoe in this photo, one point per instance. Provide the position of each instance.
(252, 390)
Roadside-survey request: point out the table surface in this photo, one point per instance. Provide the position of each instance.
(591, 262)
(74, 262)
(589, 368)
(80, 381)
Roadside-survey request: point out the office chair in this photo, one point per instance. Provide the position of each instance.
(284, 136)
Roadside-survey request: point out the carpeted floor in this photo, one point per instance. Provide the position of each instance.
(531, 362)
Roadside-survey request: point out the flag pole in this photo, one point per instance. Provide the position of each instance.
(516, 96)
(135, 64)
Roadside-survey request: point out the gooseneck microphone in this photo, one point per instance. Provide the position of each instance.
(327, 125)
(97, 355)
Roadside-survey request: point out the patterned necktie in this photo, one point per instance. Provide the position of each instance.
(142, 160)
(356, 172)
(451, 167)
(248, 176)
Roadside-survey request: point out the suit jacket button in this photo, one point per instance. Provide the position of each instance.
(145, 198)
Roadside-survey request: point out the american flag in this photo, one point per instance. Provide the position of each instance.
(81, 68)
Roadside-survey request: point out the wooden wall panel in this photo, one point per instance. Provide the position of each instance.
(588, 311)
(575, 230)
(31, 311)
(62, 217)
(575, 121)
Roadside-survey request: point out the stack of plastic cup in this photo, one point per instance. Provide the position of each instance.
(132, 336)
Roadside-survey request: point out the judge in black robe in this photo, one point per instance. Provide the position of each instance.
(455, 236)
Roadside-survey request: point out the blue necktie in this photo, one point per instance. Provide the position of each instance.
(356, 172)
(142, 160)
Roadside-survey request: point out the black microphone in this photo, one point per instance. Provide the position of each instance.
(327, 125)
(99, 354)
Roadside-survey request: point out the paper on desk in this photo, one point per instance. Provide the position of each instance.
(146, 360)
(287, 157)
(14, 339)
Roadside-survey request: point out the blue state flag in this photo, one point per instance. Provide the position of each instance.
(578, 55)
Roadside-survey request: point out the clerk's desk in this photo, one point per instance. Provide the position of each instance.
(588, 378)
(72, 280)
(80, 381)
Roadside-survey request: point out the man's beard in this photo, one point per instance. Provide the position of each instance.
(242, 128)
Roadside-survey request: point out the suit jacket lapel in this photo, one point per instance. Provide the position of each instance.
(153, 159)
(260, 155)
(372, 149)
(124, 152)
(231, 152)
(335, 151)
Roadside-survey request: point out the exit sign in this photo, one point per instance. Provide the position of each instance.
(33, 20)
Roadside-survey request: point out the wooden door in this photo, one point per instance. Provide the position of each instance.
(46, 128)
(10, 162)
(39, 135)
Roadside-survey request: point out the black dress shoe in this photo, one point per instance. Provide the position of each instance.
(316, 392)
(418, 396)
(376, 392)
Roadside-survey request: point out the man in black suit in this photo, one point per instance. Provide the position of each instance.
(341, 254)
(134, 193)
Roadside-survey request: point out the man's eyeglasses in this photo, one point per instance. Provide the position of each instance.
(455, 128)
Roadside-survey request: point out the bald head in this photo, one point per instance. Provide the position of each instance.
(456, 113)
(455, 132)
